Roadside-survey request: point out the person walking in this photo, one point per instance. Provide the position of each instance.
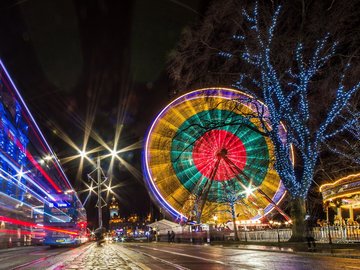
(169, 236)
(309, 234)
(173, 236)
(99, 234)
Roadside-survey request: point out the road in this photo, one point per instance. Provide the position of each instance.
(14, 257)
(144, 256)
(175, 256)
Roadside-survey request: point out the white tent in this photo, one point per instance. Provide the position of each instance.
(163, 226)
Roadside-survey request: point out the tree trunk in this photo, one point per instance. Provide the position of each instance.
(233, 215)
(297, 213)
(235, 230)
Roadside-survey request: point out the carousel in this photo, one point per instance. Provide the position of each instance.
(343, 196)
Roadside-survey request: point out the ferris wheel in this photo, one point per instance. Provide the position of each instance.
(207, 154)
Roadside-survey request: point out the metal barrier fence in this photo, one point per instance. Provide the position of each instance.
(337, 234)
(270, 235)
(326, 234)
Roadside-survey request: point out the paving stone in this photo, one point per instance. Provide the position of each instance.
(107, 257)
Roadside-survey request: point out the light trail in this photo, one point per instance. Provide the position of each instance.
(15, 232)
(32, 207)
(41, 170)
(11, 164)
(31, 224)
(35, 163)
(33, 123)
(6, 176)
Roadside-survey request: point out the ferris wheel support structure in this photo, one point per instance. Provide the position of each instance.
(259, 189)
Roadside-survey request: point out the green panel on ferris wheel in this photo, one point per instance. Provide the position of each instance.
(182, 147)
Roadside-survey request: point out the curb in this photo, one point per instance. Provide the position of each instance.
(309, 253)
(336, 252)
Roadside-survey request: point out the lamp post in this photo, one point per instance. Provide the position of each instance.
(99, 182)
(99, 191)
(103, 151)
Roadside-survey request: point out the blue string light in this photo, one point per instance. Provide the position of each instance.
(290, 105)
(225, 54)
(238, 37)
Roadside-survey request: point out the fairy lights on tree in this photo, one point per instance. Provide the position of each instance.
(232, 197)
(287, 97)
(350, 147)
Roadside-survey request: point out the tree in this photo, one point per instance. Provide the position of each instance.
(194, 63)
(231, 198)
(288, 88)
(287, 97)
(350, 148)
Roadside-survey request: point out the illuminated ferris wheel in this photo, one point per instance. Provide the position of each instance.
(206, 154)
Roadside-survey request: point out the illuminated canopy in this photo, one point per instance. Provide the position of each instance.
(346, 189)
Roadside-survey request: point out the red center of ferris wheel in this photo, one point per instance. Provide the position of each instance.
(212, 148)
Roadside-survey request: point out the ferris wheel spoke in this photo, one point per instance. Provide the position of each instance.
(205, 192)
(262, 192)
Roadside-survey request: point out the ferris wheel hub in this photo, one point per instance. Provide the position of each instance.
(222, 153)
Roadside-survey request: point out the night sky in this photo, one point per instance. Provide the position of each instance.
(69, 58)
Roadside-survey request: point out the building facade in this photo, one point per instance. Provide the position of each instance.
(130, 227)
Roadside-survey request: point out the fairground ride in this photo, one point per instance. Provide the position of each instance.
(207, 153)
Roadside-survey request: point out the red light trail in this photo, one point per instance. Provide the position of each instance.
(31, 224)
(34, 162)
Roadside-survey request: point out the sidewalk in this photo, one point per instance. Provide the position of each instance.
(107, 257)
(346, 250)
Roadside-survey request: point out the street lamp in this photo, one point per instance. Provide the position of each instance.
(98, 184)
(82, 154)
(100, 181)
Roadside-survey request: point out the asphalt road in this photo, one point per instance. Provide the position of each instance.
(174, 256)
(158, 256)
(26, 256)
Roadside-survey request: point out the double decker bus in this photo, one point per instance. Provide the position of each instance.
(65, 220)
(31, 177)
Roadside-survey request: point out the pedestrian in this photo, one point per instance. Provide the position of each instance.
(156, 236)
(99, 234)
(310, 235)
(173, 236)
(169, 237)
